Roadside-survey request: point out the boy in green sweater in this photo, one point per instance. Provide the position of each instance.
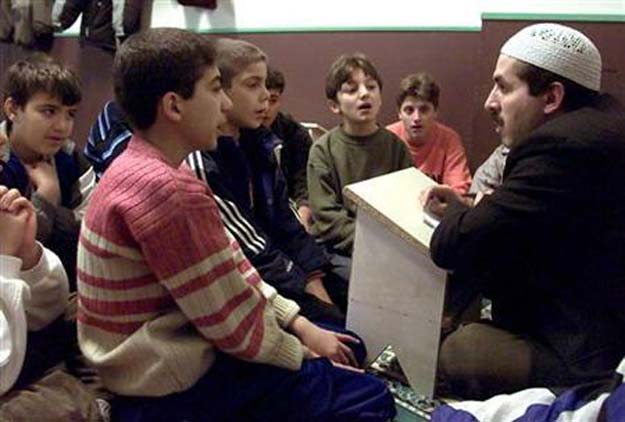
(356, 150)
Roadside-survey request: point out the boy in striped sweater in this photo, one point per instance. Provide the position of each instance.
(176, 320)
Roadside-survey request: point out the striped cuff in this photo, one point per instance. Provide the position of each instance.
(285, 310)
(289, 353)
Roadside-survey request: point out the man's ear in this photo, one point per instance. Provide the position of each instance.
(554, 97)
(172, 106)
(10, 108)
(334, 107)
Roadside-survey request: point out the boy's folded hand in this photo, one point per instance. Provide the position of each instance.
(18, 227)
(325, 343)
(43, 175)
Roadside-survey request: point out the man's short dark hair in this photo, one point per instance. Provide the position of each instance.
(152, 63)
(275, 80)
(538, 80)
(419, 85)
(342, 69)
(40, 73)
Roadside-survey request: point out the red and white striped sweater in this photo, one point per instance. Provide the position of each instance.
(162, 285)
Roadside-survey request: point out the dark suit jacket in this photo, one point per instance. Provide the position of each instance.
(549, 244)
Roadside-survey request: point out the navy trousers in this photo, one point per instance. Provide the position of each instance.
(237, 391)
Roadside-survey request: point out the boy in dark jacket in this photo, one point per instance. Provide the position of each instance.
(40, 100)
(294, 143)
(251, 167)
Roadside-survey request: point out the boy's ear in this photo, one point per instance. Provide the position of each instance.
(334, 107)
(554, 97)
(172, 106)
(10, 108)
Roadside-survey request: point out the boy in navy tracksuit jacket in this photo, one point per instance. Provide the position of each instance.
(248, 175)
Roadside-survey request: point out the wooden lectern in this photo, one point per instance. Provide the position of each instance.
(396, 293)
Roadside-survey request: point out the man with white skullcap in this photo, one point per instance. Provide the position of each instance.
(548, 245)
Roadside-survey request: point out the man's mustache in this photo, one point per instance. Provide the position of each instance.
(498, 120)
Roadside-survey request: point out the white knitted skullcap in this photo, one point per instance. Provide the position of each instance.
(558, 49)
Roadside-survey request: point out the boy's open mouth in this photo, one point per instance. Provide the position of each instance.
(365, 106)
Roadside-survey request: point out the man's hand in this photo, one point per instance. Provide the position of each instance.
(315, 287)
(436, 199)
(480, 195)
(324, 342)
(18, 226)
(43, 176)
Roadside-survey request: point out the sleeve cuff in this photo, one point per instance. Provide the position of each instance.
(289, 353)
(285, 310)
(454, 208)
(10, 266)
(41, 269)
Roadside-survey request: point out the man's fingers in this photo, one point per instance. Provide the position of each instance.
(424, 196)
(436, 207)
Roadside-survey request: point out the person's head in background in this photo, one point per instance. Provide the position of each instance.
(243, 69)
(275, 84)
(168, 85)
(543, 71)
(40, 103)
(353, 90)
(417, 103)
